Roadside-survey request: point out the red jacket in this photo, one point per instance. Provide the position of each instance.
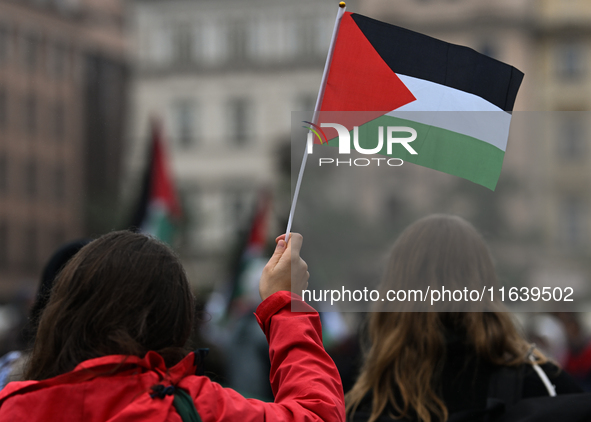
(304, 379)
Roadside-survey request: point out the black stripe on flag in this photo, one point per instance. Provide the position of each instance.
(420, 56)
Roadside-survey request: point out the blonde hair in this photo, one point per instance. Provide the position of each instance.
(407, 349)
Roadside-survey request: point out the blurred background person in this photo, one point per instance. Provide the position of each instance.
(112, 342)
(426, 366)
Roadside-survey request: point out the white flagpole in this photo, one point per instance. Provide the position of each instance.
(335, 31)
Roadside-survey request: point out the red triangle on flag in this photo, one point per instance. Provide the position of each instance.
(360, 80)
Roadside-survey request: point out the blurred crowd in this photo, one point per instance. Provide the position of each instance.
(239, 356)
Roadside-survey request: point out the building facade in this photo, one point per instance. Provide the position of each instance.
(542, 200)
(62, 79)
(224, 76)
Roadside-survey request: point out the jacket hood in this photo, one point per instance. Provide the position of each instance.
(129, 399)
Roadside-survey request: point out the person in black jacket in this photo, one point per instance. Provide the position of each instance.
(426, 366)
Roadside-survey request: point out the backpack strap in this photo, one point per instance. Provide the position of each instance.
(543, 377)
(183, 403)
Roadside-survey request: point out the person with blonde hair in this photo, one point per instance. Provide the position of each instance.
(427, 366)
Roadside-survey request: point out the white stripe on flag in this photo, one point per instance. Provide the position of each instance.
(447, 108)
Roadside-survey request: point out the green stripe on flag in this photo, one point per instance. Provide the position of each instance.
(159, 224)
(438, 149)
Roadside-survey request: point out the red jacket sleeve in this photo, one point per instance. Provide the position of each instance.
(305, 381)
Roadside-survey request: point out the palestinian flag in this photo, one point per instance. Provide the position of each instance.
(458, 100)
(251, 258)
(239, 294)
(158, 209)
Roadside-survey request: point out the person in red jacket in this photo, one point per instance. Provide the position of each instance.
(110, 344)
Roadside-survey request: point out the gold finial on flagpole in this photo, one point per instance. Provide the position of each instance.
(342, 4)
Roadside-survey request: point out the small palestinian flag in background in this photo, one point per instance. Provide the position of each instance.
(402, 78)
(239, 295)
(252, 258)
(158, 209)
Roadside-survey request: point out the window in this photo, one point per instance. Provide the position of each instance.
(30, 252)
(571, 138)
(58, 235)
(218, 216)
(29, 52)
(59, 117)
(3, 108)
(197, 43)
(4, 44)
(30, 114)
(75, 66)
(68, 6)
(304, 106)
(306, 102)
(238, 209)
(258, 42)
(215, 42)
(570, 61)
(290, 35)
(271, 39)
(572, 220)
(59, 183)
(238, 41)
(305, 37)
(488, 49)
(183, 44)
(3, 174)
(193, 217)
(323, 35)
(185, 124)
(239, 121)
(161, 45)
(57, 60)
(211, 226)
(3, 244)
(30, 179)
